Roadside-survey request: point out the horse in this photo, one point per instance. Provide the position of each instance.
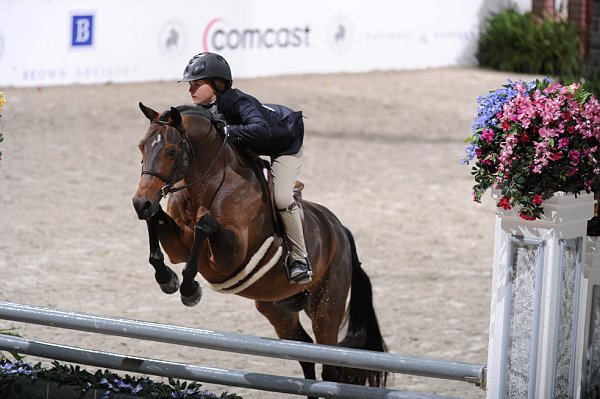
(220, 222)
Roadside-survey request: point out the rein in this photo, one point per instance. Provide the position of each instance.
(168, 187)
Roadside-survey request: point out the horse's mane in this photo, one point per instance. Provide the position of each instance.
(246, 157)
(187, 109)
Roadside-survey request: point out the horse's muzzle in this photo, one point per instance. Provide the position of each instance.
(144, 207)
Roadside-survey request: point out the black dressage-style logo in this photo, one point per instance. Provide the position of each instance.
(340, 34)
(172, 38)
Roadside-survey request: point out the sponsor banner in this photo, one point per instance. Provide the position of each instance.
(51, 42)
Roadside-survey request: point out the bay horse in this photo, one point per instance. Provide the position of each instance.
(220, 222)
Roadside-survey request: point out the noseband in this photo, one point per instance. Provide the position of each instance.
(169, 181)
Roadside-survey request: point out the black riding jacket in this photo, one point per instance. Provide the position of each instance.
(268, 129)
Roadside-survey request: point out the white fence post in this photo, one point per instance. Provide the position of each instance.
(591, 353)
(538, 301)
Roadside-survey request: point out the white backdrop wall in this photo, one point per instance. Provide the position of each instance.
(50, 42)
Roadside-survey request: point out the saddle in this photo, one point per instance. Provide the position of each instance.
(262, 169)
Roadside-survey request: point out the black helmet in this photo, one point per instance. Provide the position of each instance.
(207, 66)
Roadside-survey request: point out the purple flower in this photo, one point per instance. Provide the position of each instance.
(20, 368)
(491, 104)
(471, 149)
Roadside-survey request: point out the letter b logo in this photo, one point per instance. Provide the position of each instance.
(82, 30)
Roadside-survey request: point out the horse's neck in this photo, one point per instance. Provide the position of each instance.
(206, 145)
(212, 154)
(213, 158)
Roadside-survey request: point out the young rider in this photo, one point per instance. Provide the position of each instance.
(271, 130)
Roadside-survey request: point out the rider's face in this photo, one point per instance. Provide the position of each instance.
(202, 93)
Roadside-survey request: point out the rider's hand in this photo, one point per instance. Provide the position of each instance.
(219, 122)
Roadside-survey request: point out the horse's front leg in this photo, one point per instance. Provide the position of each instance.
(225, 250)
(190, 290)
(165, 277)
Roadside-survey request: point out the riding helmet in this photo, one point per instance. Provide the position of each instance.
(207, 66)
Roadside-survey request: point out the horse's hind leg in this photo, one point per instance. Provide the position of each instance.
(164, 276)
(287, 326)
(327, 309)
(326, 325)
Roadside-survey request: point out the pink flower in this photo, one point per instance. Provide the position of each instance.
(488, 135)
(563, 142)
(573, 171)
(520, 86)
(537, 199)
(574, 155)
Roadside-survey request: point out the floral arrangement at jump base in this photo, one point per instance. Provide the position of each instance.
(532, 139)
(14, 374)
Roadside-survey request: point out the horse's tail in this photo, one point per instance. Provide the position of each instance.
(362, 326)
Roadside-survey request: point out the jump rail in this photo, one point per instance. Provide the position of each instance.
(231, 342)
(265, 382)
(238, 343)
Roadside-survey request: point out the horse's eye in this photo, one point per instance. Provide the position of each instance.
(171, 152)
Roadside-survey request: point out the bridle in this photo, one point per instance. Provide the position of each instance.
(170, 180)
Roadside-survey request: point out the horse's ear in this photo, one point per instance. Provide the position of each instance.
(175, 117)
(149, 112)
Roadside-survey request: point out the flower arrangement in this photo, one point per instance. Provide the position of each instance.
(532, 139)
(108, 383)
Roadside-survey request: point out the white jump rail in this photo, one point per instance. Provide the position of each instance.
(238, 343)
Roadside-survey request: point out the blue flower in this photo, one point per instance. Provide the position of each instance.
(470, 150)
(492, 103)
(104, 381)
(137, 388)
(122, 385)
(24, 370)
(7, 367)
(20, 368)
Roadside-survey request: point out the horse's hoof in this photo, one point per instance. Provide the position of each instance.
(172, 286)
(193, 299)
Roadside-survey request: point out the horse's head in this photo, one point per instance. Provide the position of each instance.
(166, 154)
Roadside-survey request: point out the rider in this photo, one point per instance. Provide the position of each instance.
(270, 130)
